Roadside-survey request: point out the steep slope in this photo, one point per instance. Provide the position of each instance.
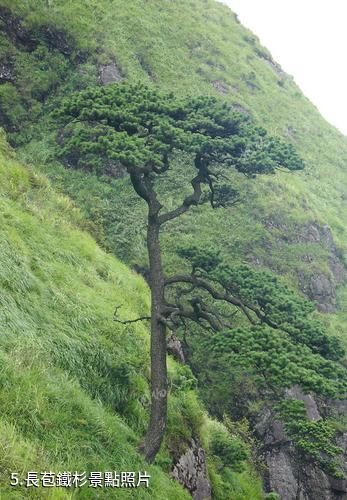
(65, 366)
(73, 383)
(204, 51)
(293, 225)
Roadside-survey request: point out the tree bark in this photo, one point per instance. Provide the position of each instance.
(157, 424)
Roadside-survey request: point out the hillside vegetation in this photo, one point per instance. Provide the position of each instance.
(196, 48)
(65, 366)
(292, 225)
(73, 383)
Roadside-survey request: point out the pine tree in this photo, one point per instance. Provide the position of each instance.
(140, 130)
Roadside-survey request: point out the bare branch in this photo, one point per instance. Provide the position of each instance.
(128, 321)
(165, 167)
(225, 296)
(210, 183)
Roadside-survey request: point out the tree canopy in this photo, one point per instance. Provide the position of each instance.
(139, 127)
(138, 130)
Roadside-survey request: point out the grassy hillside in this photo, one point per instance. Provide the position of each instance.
(190, 47)
(65, 366)
(74, 384)
(291, 224)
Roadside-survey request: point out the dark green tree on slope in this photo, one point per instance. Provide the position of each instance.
(140, 130)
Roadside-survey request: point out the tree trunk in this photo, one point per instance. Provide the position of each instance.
(157, 423)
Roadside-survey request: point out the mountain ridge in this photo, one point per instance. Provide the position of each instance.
(290, 224)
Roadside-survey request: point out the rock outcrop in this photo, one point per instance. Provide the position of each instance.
(174, 347)
(110, 73)
(316, 283)
(287, 475)
(320, 288)
(191, 472)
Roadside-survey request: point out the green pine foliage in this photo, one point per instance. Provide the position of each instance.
(282, 308)
(127, 125)
(73, 383)
(195, 48)
(312, 437)
(274, 360)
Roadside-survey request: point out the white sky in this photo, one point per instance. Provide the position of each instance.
(308, 38)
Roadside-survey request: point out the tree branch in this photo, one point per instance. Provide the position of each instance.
(138, 185)
(166, 164)
(224, 296)
(189, 201)
(128, 321)
(214, 293)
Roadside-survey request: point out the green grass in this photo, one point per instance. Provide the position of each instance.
(73, 383)
(70, 379)
(194, 47)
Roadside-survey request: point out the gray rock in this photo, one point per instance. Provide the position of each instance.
(288, 474)
(338, 485)
(6, 72)
(338, 269)
(110, 73)
(266, 56)
(319, 286)
(191, 472)
(312, 411)
(289, 131)
(294, 480)
(174, 347)
(282, 479)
